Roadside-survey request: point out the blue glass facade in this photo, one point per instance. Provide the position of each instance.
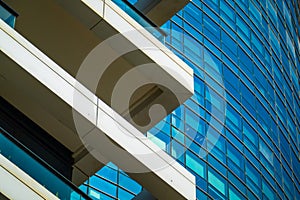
(239, 133)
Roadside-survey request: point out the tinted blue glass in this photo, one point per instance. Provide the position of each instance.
(128, 183)
(7, 16)
(195, 164)
(108, 173)
(105, 186)
(124, 195)
(217, 181)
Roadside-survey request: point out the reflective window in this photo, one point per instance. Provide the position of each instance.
(216, 180)
(7, 14)
(105, 186)
(131, 185)
(195, 164)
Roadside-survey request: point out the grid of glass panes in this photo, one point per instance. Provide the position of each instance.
(111, 183)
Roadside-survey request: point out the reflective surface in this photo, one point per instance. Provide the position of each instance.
(141, 19)
(111, 183)
(36, 170)
(7, 14)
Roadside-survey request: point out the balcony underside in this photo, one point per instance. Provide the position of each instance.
(70, 34)
(160, 11)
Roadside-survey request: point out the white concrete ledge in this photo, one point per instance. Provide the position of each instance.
(124, 24)
(161, 10)
(16, 184)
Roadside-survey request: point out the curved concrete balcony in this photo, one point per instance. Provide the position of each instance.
(160, 11)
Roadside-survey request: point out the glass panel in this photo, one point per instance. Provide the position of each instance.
(141, 19)
(124, 195)
(194, 163)
(97, 195)
(7, 15)
(104, 185)
(266, 151)
(234, 194)
(36, 170)
(108, 173)
(216, 180)
(129, 184)
(234, 155)
(177, 151)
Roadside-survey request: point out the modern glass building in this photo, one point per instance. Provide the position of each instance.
(239, 133)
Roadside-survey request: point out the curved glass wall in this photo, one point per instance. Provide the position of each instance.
(239, 133)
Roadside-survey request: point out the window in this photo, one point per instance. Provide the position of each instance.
(231, 78)
(216, 164)
(176, 134)
(250, 133)
(266, 151)
(159, 138)
(257, 44)
(211, 60)
(215, 100)
(243, 30)
(235, 156)
(243, 4)
(195, 164)
(198, 137)
(255, 13)
(233, 116)
(272, 12)
(267, 190)
(177, 39)
(193, 15)
(274, 42)
(104, 185)
(216, 180)
(7, 14)
(177, 151)
(192, 48)
(194, 121)
(252, 174)
(227, 10)
(199, 85)
(179, 123)
(234, 194)
(211, 26)
(228, 43)
(108, 173)
(124, 195)
(129, 184)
